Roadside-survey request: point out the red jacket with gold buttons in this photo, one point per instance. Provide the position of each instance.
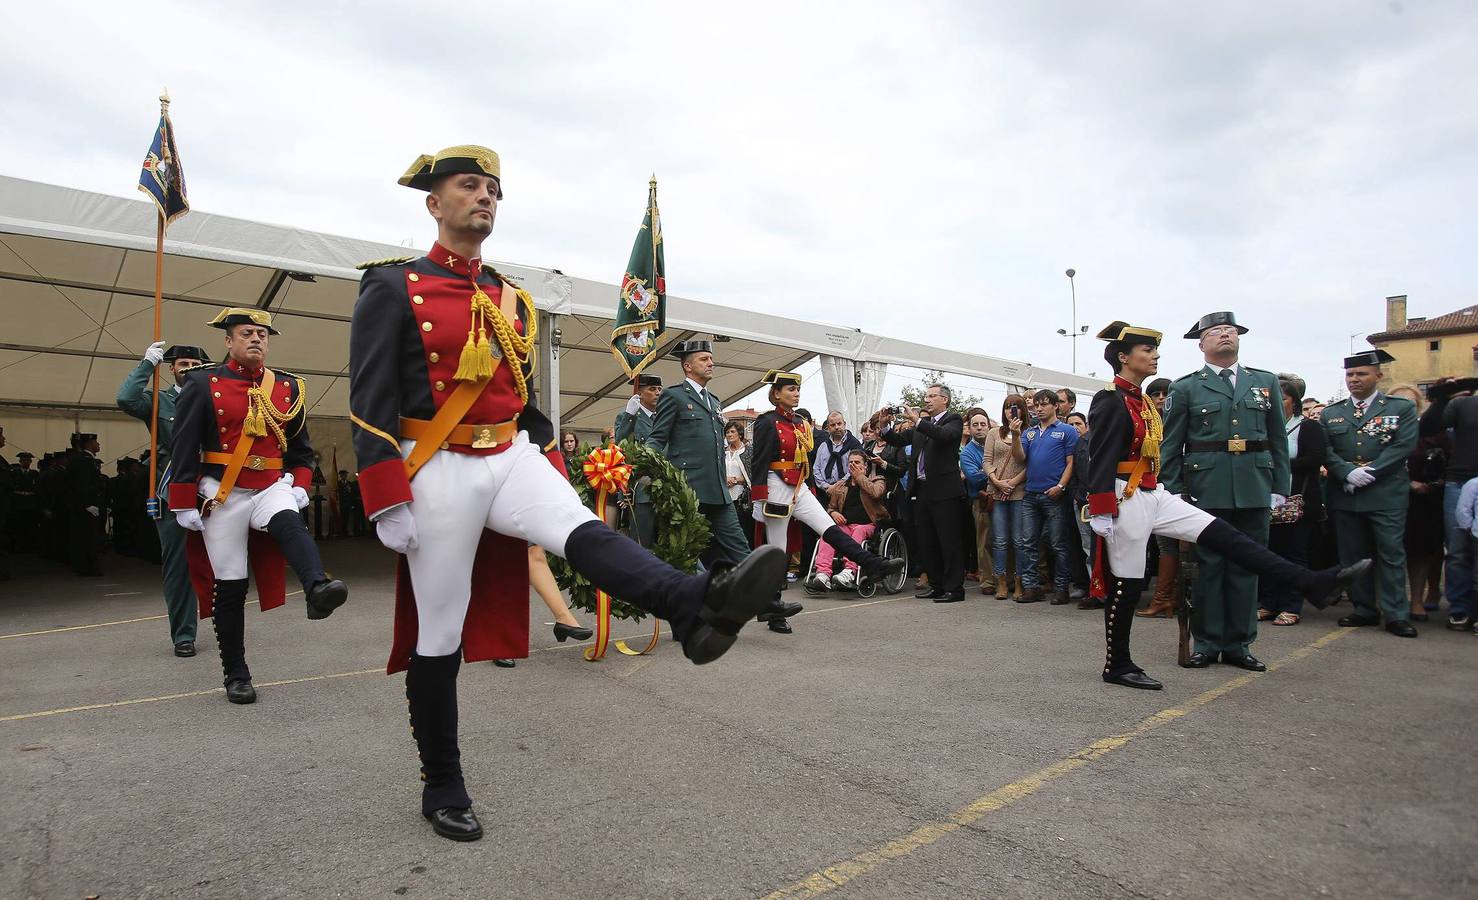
(782, 440)
(209, 414)
(409, 326)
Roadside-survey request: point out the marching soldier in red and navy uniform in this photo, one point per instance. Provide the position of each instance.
(1127, 504)
(240, 457)
(458, 469)
(778, 465)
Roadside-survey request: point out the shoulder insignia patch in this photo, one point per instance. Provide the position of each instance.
(387, 261)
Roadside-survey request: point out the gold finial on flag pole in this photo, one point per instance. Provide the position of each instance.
(164, 100)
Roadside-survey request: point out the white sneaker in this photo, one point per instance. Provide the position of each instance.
(819, 582)
(845, 580)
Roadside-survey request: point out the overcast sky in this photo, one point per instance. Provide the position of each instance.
(1294, 162)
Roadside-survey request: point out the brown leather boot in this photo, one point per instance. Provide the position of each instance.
(1162, 605)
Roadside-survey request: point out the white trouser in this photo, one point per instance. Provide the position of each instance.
(1146, 513)
(226, 526)
(807, 510)
(454, 497)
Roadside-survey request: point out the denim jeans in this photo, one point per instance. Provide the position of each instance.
(1005, 525)
(1040, 511)
(1457, 571)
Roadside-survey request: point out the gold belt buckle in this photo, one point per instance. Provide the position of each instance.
(482, 437)
(1237, 446)
(255, 462)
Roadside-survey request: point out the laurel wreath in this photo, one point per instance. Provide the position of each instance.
(682, 531)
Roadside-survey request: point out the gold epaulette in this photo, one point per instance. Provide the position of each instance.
(387, 261)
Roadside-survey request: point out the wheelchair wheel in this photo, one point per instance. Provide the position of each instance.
(890, 546)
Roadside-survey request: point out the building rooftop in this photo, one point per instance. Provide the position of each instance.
(1463, 320)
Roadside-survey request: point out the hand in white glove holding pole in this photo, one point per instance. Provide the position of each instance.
(155, 354)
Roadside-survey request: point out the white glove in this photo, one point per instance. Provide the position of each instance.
(396, 529)
(1349, 488)
(633, 405)
(189, 519)
(1279, 501)
(1360, 477)
(91, 510)
(287, 479)
(300, 497)
(1103, 526)
(208, 487)
(155, 354)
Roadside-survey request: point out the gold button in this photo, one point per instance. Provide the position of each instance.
(445, 445)
(441, 385)
(435, 357)
(220, 412)
(223, 428)
(417, 300)
(213, 378)
(218, 393)
(414, 277)
(425, 326)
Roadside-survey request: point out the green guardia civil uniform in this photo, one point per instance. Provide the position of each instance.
(1226, 451)
(136, 397)
(688, 429)
(1370, 522)
(638, 427)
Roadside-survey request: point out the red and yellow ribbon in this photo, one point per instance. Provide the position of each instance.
(607, 472)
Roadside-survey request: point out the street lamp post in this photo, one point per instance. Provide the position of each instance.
(1076, 332)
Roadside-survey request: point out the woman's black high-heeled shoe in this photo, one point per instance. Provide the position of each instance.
(563, 631)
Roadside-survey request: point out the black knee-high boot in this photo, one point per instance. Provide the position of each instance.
(1318, 586)
(228, 617)
(1118, 619)
(620, 567)
(431, 690)
(288, 530)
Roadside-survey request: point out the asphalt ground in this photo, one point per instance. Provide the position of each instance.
(893, 748)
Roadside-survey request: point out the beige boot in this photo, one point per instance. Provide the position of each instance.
(1162, 605)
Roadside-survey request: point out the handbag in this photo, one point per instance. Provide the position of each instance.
(1289, 512)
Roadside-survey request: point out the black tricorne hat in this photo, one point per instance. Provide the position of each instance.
(466, 159)
(1369, 358)
(1212, 320)
(185, 351)
(683, 348)
(646, 379)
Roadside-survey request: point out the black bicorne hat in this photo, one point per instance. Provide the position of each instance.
(1369, 358)
(467, 159)
(1211, 320)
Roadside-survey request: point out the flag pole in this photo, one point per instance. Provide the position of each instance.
(154, 509)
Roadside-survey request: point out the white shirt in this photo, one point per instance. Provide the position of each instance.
(702, 394)
(1292, 426)
(734, 468)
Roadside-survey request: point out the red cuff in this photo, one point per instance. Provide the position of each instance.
(384, 485)
(182, 495)
(303, 477)
(557, 460)
(760, 492)
(1104, 504)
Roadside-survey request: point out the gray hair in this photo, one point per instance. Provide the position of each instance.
(1293, 386)
(944, 390)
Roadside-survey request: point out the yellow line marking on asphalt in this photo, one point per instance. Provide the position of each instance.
(834, 876)
(21, 634)
(182, 696)
(636, 667)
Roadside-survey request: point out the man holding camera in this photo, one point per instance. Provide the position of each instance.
(936, 486)
(1454, 406)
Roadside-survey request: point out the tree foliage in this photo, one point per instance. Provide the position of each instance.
(913, 395)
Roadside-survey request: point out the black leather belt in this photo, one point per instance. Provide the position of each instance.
(1234, 446)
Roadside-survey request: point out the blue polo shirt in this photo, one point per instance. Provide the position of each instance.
(1047, 451)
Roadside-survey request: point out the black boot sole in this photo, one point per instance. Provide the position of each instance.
(326, 599)
(751, 590)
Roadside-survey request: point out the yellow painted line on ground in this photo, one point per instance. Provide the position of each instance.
(21, 634)
(834, 876)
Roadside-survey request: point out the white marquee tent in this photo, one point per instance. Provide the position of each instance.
(76, 299)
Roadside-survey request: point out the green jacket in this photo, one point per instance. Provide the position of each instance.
(1358, 442)
(1202, 408)
(136, 397)
(689, 430)
(637, 426)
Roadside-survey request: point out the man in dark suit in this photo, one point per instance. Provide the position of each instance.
(936, 487)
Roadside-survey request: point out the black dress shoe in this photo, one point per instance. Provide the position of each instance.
(779, 626)
(1245, 661)
(455, 824)
(1134, 680)
(1199, 660)
(1342, 579)
(239, 690)
(1059, 598)
(504, 663)
(928, 594)
(563, 632)
(1355, 620)
(1401, 628)
(184, 648)
(889, 566)
(325, 597)
(786, 610)
(951, 597)
(734, 597)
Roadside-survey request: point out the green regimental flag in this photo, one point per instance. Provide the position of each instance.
(641, 313)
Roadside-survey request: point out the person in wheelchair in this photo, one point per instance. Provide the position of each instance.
(779, 462)
(856, 504)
